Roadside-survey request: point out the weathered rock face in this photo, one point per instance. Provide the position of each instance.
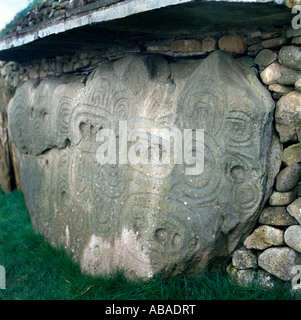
(5, 154)
(145, 218)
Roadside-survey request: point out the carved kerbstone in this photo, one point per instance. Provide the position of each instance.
(145, 218)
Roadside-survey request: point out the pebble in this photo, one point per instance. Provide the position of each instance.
(290, 57)
(276, 216)
(233, 44)
(282, 198)
(294, 209)
(292, 237)
(288, 178)
(271, 74)
(291, 154)
(280, 262)
(265, 57)
(274, 43)
(288, 117)
(244, 259)
(264, 237)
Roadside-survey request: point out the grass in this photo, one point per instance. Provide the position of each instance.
(36, 271)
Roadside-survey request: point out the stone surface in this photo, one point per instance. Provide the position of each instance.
(254, 49)
(145, 218)
(292, 237)
(6, 168)
(233, 44)
(293, 33)
(274, 42)
(265, 57)
(294, 210)
(298, 85)
(296, 40)
(274, 163)
(288, 116)
(288, 76)
(282, 198)
(271, 74)
(265, 279)
(264, 237)
(276, 216)
(280, 262)
(186, 46)
(244, 259)
(288, 178)
(280, 89)
(243, 278)
(290, 57)
(209, 44)
(291, 154)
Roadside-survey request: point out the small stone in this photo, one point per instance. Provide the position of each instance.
(274, 43)
(256, 34)
(270, 35)
(288, 178)
(265, 57)
(294, 210)
(288, 117)
(276, 216)
(64, 4)
(233, 44)
(43, 74)
(288, 76)
(251, 41)
(51, 14)
(209, 44)
(291, 154)
(158, 48)
(274, 163)
(78, 3)
(264, 237)
(244, 259)
(265, 279)
(241, 277)
(68, 67)
(298, 85)
(290, 57)
(58, 13)
(32, 74)
(280, 262)
(271, 74)
(292, 237)
(186, 46)
(296, 40)
(280, 89)
(58, 67)
(293, 33)
(55, 4)
(299, 189)
(282, 198)
(254, 49)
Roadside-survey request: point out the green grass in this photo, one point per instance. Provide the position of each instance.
(36, 271)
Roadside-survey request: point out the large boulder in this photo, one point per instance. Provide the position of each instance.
(137, 214)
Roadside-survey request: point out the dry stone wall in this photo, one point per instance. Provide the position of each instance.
(49, 9)
(272, 247)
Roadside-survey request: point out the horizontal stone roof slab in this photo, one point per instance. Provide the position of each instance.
(110, 22)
